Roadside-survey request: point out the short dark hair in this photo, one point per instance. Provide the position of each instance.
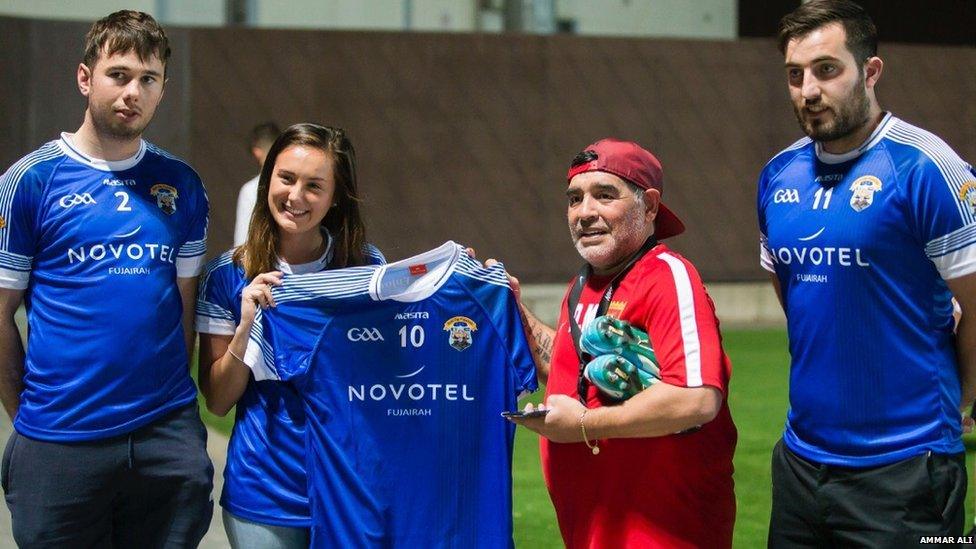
(583, 157)
(862, 35)
(125, 31)
(263, 135)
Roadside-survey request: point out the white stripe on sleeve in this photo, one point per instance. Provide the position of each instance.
(689, 325)
(766, 257)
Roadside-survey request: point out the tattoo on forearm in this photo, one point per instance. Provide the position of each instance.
(543, 342)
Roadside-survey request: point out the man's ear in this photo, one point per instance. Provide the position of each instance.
(872, 71)
(652, 199)
(84, 78)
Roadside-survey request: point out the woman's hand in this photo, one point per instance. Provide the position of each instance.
(258, 294)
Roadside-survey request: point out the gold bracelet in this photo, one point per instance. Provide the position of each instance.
(595, 447)
(239, 359)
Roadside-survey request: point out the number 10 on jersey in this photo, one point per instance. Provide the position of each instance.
(415, 334)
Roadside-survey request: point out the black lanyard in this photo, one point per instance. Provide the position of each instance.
(573, 301)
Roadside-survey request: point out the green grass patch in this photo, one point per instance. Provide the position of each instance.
(758, 400)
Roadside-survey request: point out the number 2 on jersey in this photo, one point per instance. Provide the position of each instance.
(124, 202)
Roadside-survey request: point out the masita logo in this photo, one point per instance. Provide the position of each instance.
(418, 315)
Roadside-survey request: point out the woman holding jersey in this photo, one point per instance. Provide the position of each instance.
(307, 219)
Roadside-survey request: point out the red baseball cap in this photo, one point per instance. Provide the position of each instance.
(635, 164)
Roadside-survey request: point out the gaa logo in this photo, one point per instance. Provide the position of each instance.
(786, 196)
(76, 199)
(364, 334)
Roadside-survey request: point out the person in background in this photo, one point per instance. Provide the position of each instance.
(307, 219)
(262, 136)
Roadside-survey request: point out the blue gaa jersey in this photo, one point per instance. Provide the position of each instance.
(264, 479)
(862, 244)
(98, 246)
(403, 387)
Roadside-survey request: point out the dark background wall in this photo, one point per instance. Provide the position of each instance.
(467, 136)
(945, 22)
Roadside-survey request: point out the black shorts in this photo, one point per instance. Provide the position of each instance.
(893, 505)
(150, 488)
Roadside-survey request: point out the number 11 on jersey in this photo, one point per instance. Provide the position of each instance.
(821, 194)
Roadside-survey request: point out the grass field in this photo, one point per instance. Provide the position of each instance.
(758, 399)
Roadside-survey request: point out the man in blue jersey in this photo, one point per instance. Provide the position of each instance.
(103, 235)
(868, 227)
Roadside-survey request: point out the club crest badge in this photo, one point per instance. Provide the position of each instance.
(616, 308)
(3, 222)
(165, 197)
(863, 192)
(459, 332)
(967, 193)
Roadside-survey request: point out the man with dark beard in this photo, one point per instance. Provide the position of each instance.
(104, 235)
(867, 232)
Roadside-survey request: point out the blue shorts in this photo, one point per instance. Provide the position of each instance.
(150, 488)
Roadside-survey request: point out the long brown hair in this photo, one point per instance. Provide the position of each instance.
(259, 253)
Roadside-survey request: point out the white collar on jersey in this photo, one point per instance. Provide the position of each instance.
(415, 278)
(877, 135)
(312, 266)
(69, 148)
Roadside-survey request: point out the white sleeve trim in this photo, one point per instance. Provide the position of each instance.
(254, 359)
(957, 239)
(254, 355)
(215, 326)
(957, 263)
(188, 267)
(689, 324)
(954, 254)
(14, 280)
(766, 257)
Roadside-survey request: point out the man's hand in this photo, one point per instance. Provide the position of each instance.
(513, 282)
(561, 424)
